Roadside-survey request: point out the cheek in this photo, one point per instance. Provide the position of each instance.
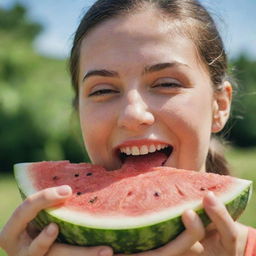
(193, 129)
(189, 122)
(96, 124)
(188, 113)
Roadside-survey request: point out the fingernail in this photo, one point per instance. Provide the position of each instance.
(105, 252)
(64, 190)
(211, 198)
(191, 214)
(51, 229)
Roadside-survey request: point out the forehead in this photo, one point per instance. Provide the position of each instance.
(141, 37)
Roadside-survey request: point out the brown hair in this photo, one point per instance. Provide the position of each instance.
(191, 19)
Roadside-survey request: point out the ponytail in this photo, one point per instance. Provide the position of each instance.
(216, 161)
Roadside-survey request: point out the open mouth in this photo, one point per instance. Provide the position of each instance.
(145, 152)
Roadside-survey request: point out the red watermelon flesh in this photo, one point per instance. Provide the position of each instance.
(133, 209)
(133, 190)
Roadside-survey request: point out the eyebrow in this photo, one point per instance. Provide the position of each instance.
(161, 66)
(147, 69)
(101, 72)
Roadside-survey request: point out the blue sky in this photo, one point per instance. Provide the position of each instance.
(60, 19)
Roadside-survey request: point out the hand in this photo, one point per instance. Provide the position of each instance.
(223, 237)
(194, 232)
(16, 241)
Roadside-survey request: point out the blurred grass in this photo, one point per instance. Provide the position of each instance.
(242, 161)
(243, 164)
(9, 197)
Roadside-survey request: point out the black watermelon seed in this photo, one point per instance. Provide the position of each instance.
(89, 174)
(93, 200)
(79, 193)
(55, 177)
(156, 194)
(202, 189)
(76, 175)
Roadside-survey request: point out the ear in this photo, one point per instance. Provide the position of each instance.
(221, 107)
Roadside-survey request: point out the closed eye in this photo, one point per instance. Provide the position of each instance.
(167, 85)
(102, 92)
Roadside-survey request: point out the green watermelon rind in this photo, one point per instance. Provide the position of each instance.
(137, 239)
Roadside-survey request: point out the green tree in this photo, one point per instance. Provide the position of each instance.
(243, 123)
(15, 22)
(36, 120)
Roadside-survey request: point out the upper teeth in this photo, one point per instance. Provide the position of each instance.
(142, 150)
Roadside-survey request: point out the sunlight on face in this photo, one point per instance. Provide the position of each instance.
(141, 83)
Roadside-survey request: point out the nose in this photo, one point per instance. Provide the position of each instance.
(135, 114)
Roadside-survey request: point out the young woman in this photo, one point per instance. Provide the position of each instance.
(146, 72)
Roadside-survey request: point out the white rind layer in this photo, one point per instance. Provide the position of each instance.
(114, 221)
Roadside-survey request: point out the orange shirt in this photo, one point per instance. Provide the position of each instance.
(250, 249)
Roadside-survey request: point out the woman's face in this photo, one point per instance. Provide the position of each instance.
(142, 85)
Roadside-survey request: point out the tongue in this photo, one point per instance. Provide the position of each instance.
(145, 161)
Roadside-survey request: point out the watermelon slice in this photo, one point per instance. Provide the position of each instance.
(132, 209)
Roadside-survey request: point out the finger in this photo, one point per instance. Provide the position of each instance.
(42, 243)
(28, 210)
(222, 220)
(194, 232)
(67, 250)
